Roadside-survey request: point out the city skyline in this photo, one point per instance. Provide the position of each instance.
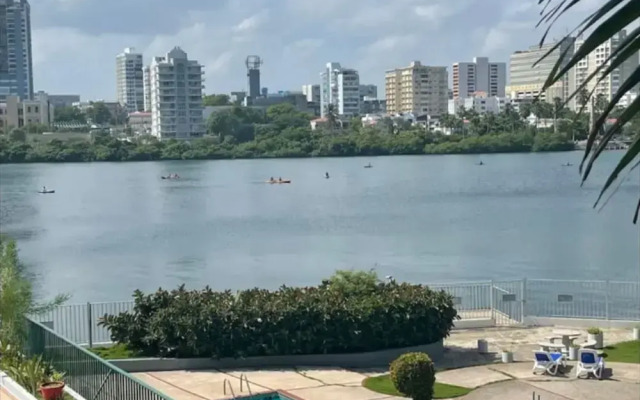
(295, 39)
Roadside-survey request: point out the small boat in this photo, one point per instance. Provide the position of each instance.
(170, 177)
(46, 191)
(282, 181)
(567, 165)
(368, 166)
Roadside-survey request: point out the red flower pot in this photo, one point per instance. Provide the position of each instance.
(52, 390)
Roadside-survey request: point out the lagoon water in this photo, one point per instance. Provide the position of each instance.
(111, 228)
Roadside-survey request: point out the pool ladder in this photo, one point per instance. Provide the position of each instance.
(243, 380)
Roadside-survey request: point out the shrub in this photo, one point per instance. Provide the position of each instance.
(414, 375)
(287, 321)
(594, 331)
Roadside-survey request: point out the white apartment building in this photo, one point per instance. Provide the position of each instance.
(175, 86)
(611, 83)
(312, 92)
(482, 105)
(340, 87)
(140, 123)
(417, 89)
(526, 81)
(129, 80)
(479, 76)
(146, 83)
(16, 114)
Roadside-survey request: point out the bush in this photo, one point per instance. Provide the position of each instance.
(414, 375)
(287, 321)
(594, 331)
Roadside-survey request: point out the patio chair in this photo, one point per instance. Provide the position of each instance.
(589, 362)
(548, 362)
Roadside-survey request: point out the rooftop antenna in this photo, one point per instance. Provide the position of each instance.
(253, 62)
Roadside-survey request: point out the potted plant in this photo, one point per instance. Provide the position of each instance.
(53, 387)
(573, 352)
(595, 334)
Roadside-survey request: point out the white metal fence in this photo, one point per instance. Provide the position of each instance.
(505, 302)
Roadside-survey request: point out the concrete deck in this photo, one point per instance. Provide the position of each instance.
(491, 380)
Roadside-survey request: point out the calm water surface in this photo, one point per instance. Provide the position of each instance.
(111, 228)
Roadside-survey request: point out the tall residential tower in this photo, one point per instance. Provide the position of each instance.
(341, 88)
(526, 81)
(175, 86)
(16, 67)
(129, 80)
(479, 76)
(417, 89)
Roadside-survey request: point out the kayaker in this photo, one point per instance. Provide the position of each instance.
(279, 179)
(326, 175)
(271, 179)
(44, 189)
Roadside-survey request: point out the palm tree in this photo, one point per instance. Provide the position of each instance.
(610, 18)
(332, 116)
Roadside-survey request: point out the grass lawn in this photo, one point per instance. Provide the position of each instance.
(382, 384)
(627, 352)
(115, 352)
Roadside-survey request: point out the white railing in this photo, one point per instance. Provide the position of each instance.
(506, 302)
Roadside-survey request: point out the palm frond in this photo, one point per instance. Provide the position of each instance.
(610, 18)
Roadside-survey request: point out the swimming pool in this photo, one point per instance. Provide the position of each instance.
(270, 396)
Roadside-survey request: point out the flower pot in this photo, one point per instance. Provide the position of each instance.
(507, 357)
(636, 333)
(573, 353)
(596, 338)
(52, 390)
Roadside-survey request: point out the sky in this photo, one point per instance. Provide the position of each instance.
(75, 42)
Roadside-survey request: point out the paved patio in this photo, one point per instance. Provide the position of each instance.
(492, 380)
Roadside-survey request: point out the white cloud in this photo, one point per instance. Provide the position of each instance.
(252, 23)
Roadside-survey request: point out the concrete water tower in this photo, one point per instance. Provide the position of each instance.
(253, 64)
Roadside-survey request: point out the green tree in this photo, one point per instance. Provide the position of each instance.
(99, 113)
(16, 296)
(611, 17)
(70, 115)
(331, 114)
(216, 100)
(18, 135)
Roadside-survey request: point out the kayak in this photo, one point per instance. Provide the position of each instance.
(169, 177)
(46, 191)
(282, 181)
(368, 166)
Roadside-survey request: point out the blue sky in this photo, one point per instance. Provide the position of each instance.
(75, 41)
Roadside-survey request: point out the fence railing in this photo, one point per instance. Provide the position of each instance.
(506, 302)
(86, 373)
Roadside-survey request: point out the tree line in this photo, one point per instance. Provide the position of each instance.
(281, 131)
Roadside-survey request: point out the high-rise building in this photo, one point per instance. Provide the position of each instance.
(341, 88)
(129, 80)
(417, 89)
(608, 86)
(370, 91)
(312, 92)
(146, 83)
(479, 76)
(526, 81)
(16, 67)
(175, 84)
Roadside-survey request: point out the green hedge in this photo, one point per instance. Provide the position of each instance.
(287, 321)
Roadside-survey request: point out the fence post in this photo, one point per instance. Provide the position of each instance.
(90, 325)
(492, 301)
(523, 303)
(606, 299)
